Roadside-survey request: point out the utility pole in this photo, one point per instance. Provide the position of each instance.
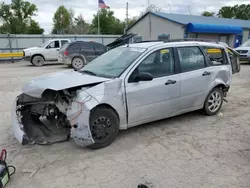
(170, 10)
(189, 10)
(126, 21)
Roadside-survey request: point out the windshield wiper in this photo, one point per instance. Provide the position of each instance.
(89, 72)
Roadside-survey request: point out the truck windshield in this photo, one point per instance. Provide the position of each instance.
(44, 44)
(113, 63)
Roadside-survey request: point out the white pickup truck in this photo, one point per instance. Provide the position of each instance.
(48, 51)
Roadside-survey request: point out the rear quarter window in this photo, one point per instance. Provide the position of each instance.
(99, 47)
(216, 56)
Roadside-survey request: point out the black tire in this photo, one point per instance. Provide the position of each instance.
(106, 121)
(208, 109)
(37, 60)
(77, 63)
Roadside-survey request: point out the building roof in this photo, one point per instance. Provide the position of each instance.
(186, 19)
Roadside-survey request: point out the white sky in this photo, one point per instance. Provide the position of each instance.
(87, 8)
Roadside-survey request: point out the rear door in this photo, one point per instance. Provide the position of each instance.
(195, 77)
(87, 50)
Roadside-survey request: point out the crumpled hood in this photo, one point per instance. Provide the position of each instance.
(59, 81)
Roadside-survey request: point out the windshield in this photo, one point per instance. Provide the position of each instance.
(44, 44)
(114, 62)
(246, 44)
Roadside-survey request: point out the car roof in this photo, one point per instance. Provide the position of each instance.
(174, 44)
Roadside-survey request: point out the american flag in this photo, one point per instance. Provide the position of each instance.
(102, 4)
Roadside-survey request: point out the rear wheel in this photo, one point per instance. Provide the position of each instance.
(37, 60)
(213, 102)
(77, 63)
(104, 126)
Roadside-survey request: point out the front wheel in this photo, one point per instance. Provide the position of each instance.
(38, 61)
(213, 102)
(104, 126)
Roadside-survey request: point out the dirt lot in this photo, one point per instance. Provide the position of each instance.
(189, 151)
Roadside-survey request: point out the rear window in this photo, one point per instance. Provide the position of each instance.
(216, 56)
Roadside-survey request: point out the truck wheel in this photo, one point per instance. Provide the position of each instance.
(37, 60)
(77, 63)
(104, 126)
(213, 102)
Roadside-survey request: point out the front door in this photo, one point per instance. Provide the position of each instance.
(155, 99)
(51, 51)
(194, 77)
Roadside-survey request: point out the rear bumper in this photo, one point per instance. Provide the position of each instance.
(64, 60)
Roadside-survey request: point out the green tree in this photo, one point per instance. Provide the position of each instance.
(208, 14)
(17, 16)
(109, 24)
(132, 20)
(226, 12)
(79, 26)
(61, 21)
(242, 11)
(34, 28)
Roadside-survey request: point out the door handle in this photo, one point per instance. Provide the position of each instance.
(206, 73)
(170, 82)
(57, 49)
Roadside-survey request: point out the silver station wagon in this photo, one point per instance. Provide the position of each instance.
(125, 87)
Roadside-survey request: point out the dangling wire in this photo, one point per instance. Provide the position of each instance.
(14, 169)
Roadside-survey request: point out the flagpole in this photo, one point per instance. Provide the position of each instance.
(98, 19)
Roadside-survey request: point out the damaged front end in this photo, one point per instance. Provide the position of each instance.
(55, 117)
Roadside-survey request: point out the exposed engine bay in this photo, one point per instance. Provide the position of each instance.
(44, 119)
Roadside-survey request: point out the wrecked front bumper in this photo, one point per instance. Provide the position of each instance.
(16, 125)
(80, 131)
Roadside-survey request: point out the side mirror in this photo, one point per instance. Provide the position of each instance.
(143, 76)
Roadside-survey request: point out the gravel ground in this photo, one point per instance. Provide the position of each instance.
(188, 151)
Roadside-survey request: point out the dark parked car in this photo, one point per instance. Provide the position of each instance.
(79, 53)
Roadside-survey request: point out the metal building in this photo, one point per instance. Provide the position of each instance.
(153, 25)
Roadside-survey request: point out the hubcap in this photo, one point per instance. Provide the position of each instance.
(214, 101)
(101, 129)
(38, 60)
(77, 63)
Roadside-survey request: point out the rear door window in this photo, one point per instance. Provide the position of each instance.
(216, 56)
(191, 58)
(64, 42)
(86, 46)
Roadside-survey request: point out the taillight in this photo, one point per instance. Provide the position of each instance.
(66, 53)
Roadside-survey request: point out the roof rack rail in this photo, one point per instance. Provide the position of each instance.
(180, 40)
(190, 39)
(149, 41)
